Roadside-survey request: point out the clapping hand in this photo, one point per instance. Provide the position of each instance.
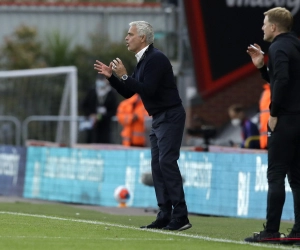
(256, 55)
(103, 69)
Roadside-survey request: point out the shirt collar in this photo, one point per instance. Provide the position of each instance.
(140, 53)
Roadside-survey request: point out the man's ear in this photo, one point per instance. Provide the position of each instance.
(273, 28)
(143, 38)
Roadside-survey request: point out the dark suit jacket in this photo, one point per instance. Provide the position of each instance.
(153, 79)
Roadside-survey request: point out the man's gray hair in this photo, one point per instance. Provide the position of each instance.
(144, 29)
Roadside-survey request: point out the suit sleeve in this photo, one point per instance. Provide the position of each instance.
(264, 73)
(120, 87)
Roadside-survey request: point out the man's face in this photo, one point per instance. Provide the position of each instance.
(134, 42)
(268, 29)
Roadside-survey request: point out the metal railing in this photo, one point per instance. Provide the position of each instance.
(59, 134)
(42, 128)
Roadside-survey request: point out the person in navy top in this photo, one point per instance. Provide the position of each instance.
(153, 79)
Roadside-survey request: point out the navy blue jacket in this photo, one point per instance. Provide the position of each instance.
(153, 79)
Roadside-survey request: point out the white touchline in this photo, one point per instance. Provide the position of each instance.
(84, 238)
(199, 237)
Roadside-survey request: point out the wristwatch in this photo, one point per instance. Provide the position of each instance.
(124, 77)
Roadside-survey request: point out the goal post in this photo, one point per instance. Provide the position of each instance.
(25, 96)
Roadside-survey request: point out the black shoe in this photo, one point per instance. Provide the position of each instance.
(157, 224)
(292, 237)
(265, 237)
(178, 224)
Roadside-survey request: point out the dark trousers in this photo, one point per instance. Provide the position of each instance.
(283, 159)
(166, 137)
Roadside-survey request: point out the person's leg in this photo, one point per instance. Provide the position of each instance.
(169, 134)
(95, 133)
(280, 155)
(294, 180)
(162, 196)
(166, 137)
(163, 201)
(89, 136)
(294, 177)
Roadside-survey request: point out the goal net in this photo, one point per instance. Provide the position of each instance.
(39, 104)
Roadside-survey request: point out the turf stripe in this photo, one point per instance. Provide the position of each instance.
(152, 231)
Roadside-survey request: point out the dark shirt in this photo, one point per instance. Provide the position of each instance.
(153, 79)
(283, 74)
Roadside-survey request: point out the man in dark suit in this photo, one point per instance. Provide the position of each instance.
(153, 80)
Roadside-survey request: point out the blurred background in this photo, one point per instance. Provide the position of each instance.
(48, 147)
(206, 42)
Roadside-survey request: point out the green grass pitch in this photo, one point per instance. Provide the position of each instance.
(60, 226)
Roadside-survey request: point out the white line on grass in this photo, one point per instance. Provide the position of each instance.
(199, 237)
(84, 238)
